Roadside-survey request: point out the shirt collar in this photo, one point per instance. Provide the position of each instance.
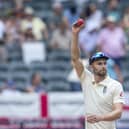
(103, 82)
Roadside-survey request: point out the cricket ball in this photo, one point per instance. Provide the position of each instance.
(80, 22)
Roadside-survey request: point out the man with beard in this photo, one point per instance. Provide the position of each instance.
(103, 96)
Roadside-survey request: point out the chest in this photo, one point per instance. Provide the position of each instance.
(103, 94)
(114, 37)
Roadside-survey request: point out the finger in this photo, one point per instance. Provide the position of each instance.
(91, 116)
(79, 23)
(76, 26)
(91, 121)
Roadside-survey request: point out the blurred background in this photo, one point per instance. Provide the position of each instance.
(38, 87)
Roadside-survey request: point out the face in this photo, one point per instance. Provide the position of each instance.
(113, 4)
(99, 67)
(37, 79)
(93, 8)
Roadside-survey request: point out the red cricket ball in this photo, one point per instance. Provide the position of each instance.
(80, 22)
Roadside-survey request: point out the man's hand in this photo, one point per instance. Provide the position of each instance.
(77, 26)
(94, 118)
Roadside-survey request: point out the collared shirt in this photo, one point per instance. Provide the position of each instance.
(100, 97)
(112, 42)
(61, 40)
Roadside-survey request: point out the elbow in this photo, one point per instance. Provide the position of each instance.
(73, 62)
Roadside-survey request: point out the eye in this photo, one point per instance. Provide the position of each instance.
(102, 63)
(99, 63)
(105, 63)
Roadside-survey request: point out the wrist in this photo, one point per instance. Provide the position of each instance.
(75, 34)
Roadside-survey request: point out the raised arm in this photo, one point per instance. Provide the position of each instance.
(75, 50)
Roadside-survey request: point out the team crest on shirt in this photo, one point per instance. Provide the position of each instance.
(104, 89)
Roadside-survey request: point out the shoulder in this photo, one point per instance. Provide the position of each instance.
(86, 75)
(115, 84)
(113, 81)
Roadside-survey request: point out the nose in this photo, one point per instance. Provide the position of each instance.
(104, 65)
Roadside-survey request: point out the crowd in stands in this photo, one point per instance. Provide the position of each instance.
(106, 29)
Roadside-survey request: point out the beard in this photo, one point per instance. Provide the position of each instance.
(101, 72)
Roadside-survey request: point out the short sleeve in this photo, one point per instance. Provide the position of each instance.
(86, 74)
(118, 94)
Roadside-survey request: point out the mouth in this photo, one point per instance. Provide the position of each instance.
(103, 71)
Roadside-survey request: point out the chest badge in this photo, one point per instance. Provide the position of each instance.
(104, 89)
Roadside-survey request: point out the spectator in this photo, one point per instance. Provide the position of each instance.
(87, 39)
(126, 18)
(10, 88)
(125, 23)
(20, 3)
(112, 40)
(95, 16)
(113, 8)
(12, 29)
(2, 29)
(36, 84)
(71, 14)
(39, 28)
(3, 52)
(28, 35)
(114, 70)
(57, 15)
(61, 37)
(12, 35)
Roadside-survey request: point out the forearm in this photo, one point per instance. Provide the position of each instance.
(116, 114)
(75, 50)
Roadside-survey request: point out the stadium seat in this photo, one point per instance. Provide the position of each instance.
(3, 78)
(59, 55)
(14, 52)
(15, 57)
(58, 86)
(19, 68)
(21, 80)
(4, 68)
(56, 76)
(39, 66)
(59, 65)
(126, 83)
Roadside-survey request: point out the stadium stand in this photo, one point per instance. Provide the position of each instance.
(57, 60)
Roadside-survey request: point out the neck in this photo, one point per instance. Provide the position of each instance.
(99, 78)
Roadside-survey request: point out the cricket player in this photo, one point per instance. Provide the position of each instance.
(103, 96)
